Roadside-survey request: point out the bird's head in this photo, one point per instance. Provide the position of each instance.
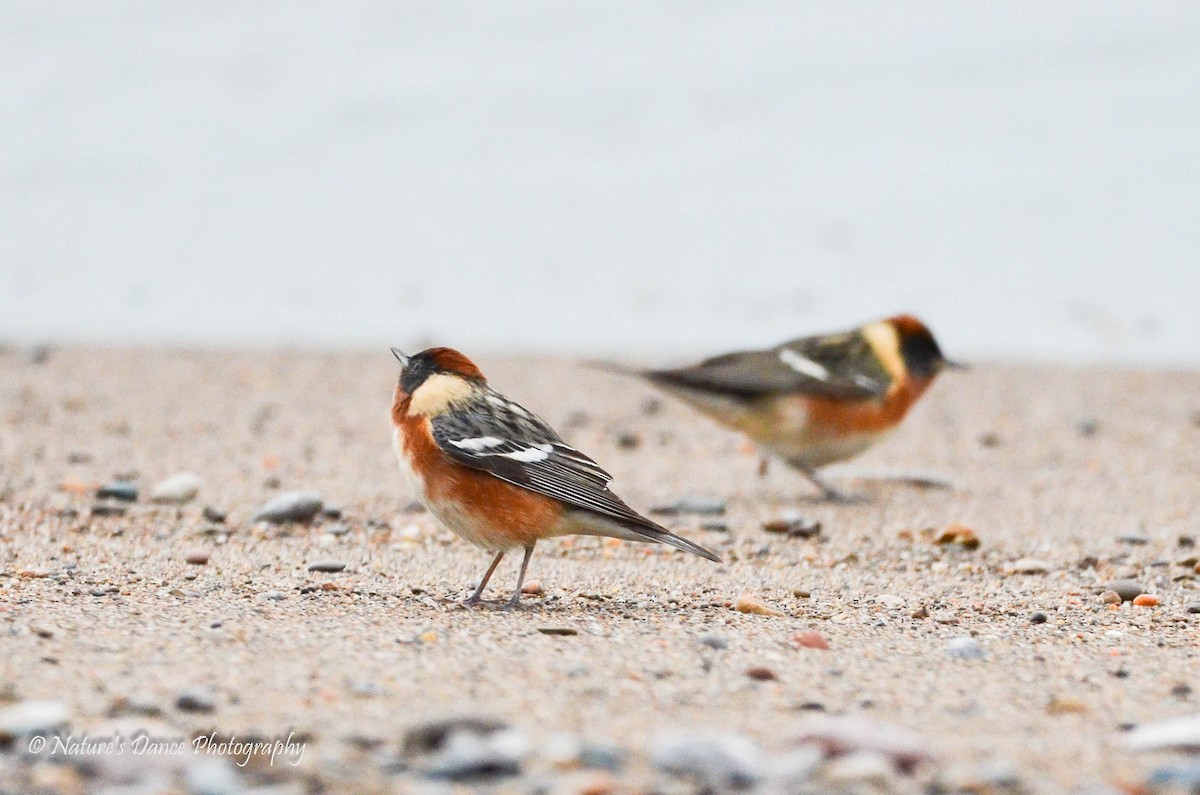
(433, 380)
(922, 356)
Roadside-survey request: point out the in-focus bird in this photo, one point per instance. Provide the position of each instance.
(495, 474)
(820, 399)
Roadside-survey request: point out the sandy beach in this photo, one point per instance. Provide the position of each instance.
(1002, 665)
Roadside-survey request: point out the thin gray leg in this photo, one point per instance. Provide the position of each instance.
(516, 597)
(827, 492)
(476, 597)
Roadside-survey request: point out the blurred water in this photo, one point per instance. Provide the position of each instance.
(601, 177)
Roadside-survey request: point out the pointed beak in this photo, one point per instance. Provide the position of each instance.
(400, 357)
(950, 364)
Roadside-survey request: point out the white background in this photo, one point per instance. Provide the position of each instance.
(603, 177)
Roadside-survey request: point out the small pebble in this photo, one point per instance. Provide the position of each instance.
(960, 535)
(272, 596)
(964, 648)
(859, 766)
(715, 762)
(989, 439)
(748, 604)
(1128, 590)
(1087, 427)
(1133, 539)
(337, 529)
(533, 588)
(712, 641)
(1039, 618)
(328, 566)
(213, 776)
(846, 734)
(211, 514)
(108, 509)
(1110, 598)
(197, 557)
(118, 490)
(1145, 600)
(810, 640)
(1030, 566)
(1192, 607)
(177, 489)
(467, 756)
(794, 526)
(1175, 734)
(196, 701)
(558, 630)
(761, 673)
(294, 506)
(628, 440)
(32, 717)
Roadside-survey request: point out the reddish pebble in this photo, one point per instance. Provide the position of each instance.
(197, 557)
(532, 588)
(1146, 600)
(761, 673)
(810, 640)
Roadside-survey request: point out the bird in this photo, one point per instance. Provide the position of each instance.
(815, 400)
(495, 474)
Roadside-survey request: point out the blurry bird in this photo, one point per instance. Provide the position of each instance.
(816, 400)
(495, 474)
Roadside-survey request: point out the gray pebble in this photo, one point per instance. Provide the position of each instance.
(272, 596)
(32, 717)
(467, 755)
(177, 489)
(1185, 776)
(601, 756)
(1128, 590)
(1133, 539)
(294, 506)
(1174, 734)
(558, 630)
(1087, 427)
(196, 701)
(1039, 618)
(859, 766)
(426, 738)
(108, 509)
(212, 776)
(1030, 566)
(118, 490)
(1192, 607)
(337, 529)
(701, 506)
(329, 566)
(718, 762)
(964, 648)
(794, 525)
(211, 514)
(713, 641)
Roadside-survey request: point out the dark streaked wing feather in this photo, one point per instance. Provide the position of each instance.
(853, 370)
(545, 463)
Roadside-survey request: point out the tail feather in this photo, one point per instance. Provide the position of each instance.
(633, 528)
(652, 532)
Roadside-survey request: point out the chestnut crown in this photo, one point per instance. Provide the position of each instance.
(418, 367)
